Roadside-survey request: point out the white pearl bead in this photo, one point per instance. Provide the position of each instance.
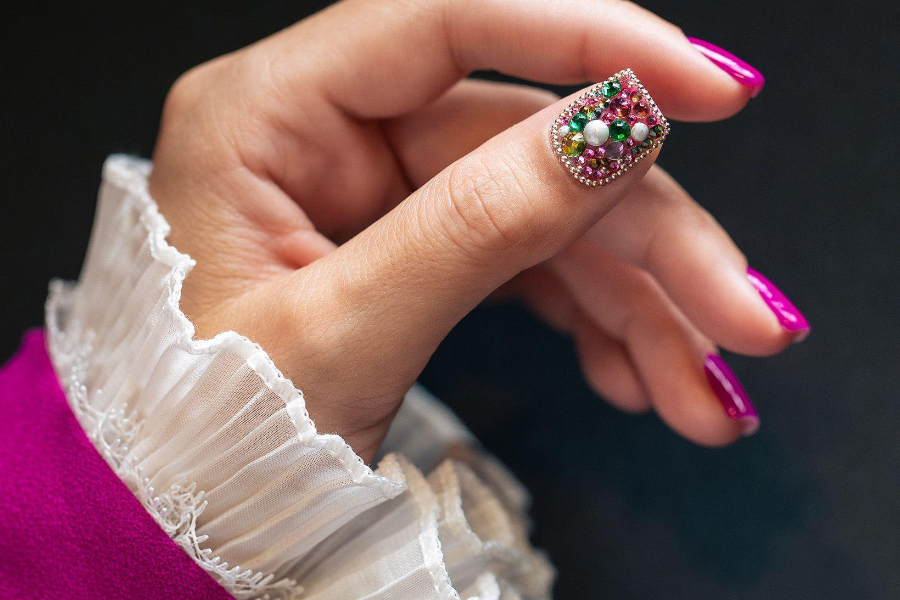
(595, 133)
(563, 131)
(639, 131)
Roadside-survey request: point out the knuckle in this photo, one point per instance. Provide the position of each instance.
(483, 197)
(195, 87)
(186, 93)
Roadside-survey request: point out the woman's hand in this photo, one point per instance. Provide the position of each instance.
(348, 200)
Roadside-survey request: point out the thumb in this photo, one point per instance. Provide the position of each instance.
(391, 294)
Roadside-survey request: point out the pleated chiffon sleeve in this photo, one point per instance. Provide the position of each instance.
(218, 447)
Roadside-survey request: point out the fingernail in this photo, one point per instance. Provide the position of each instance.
(790, 318)
(608, 129)
(731, 393)
(742, 71)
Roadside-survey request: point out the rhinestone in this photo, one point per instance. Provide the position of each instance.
(621, 106)
(619, 130)
(573, 144)
(611, 88)
(614, 150)
(578, 122)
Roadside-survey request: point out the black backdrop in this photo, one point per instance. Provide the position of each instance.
(804, 179)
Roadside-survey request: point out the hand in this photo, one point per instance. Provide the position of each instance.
(348, 200)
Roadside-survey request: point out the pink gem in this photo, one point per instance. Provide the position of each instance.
(601, 152)
(588, 153)
(640, 110)
(581, 160)
(614, 166)
(614, 150)
(587, 172)
(620, 106)
(608, 117)
(651, 120)
(630, 142)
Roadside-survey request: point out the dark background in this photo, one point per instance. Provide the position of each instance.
(805, 181)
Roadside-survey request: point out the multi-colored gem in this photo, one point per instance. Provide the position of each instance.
(573, 144)
(608, 129)
(621, 106)
(640, 110)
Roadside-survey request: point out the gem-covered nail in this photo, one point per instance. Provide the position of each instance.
(731, 393)
(608, 129)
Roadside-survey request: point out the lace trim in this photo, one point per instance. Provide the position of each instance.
(176, 509)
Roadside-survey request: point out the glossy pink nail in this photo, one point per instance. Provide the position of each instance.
(742, 71)
(731, 393)
(788, 315)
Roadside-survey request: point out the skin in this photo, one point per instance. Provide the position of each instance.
(348, 199)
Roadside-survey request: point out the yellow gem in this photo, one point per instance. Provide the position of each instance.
(573, 145)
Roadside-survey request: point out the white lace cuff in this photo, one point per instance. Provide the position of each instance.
(217, 444)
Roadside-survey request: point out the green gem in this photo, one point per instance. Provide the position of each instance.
(611, 88)
(573, 145)
(646, 143)
(578, 122)
(636, 150)
(656, 131)
(619, 130)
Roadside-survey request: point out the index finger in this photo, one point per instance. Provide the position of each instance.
(380, 59)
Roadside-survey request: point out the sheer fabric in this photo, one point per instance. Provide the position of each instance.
(218, 446)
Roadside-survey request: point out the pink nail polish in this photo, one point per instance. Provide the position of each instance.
(788, 315)
(731, 393)
(742, 71)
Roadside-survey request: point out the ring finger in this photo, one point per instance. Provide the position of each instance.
(673, 360)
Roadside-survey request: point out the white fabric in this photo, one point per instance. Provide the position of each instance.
(218, 446)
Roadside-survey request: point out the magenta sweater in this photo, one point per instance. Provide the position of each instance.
(69, 528)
